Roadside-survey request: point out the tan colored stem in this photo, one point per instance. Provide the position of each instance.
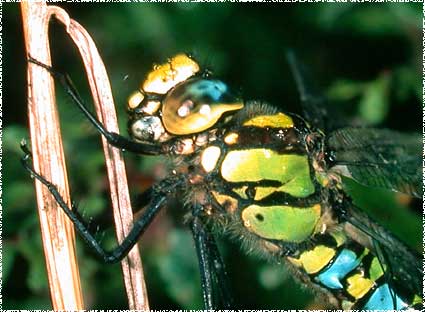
(56, 230)
(105, 109)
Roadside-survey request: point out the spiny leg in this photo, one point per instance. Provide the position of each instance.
(113, 138)
(211, 267)
(204, 266)
(139, 226)
(221, 273)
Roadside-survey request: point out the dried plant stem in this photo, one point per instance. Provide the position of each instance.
(57, 231)
(105, 109)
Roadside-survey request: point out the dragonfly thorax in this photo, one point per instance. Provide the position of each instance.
(257, 170)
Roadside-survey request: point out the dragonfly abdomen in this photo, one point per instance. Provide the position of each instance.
(351, 274)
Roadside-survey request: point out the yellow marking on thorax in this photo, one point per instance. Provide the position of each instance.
(210, 157)
(231, 138)
(241, 191)
(227, 202)
(135, 99)
(253, 165)
(151, 107)
(286, 223)
(262, 192)
(278, 120)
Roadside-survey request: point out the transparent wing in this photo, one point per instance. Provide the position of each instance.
(312, 100)
(400, 263)
(378, 158)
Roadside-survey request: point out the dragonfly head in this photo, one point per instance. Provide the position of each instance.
(175, 100)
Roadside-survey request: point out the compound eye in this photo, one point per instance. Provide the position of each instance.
(196, 105)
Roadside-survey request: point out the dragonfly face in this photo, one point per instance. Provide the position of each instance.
(273, 182)
(188, 105)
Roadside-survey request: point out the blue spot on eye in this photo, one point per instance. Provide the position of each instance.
(213, 89)
(343, 264)
(383, 299)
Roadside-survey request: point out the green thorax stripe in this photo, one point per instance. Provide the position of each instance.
(284, 223)
(292, 172)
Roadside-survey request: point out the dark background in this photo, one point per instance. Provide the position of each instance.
(365, 58)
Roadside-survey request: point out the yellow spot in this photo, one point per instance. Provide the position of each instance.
(231, 138)
(166, 76)
(241, 191)
(376, 269)
(358, 286)
(226, 201)
(322, 179)
(135, 99)
(273, 121)
(416, 300)
(151, 107)
(347, 305)
(185, 147)
(340, 238)
(314, 260)
(210, 157)
(264, 191)
(261, 192)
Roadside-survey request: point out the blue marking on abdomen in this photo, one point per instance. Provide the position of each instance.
(345, 262)
(382, 299)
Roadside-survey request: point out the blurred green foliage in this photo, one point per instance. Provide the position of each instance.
(366, 58)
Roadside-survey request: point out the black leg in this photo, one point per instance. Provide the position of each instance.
(139, 225)
(204, 264)
(213, 275)
(223, 283)
(113, 138)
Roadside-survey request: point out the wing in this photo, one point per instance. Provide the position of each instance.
(402, 264)
(311, 100)
(378, 158)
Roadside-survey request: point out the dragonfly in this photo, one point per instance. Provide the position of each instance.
(271, 180)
